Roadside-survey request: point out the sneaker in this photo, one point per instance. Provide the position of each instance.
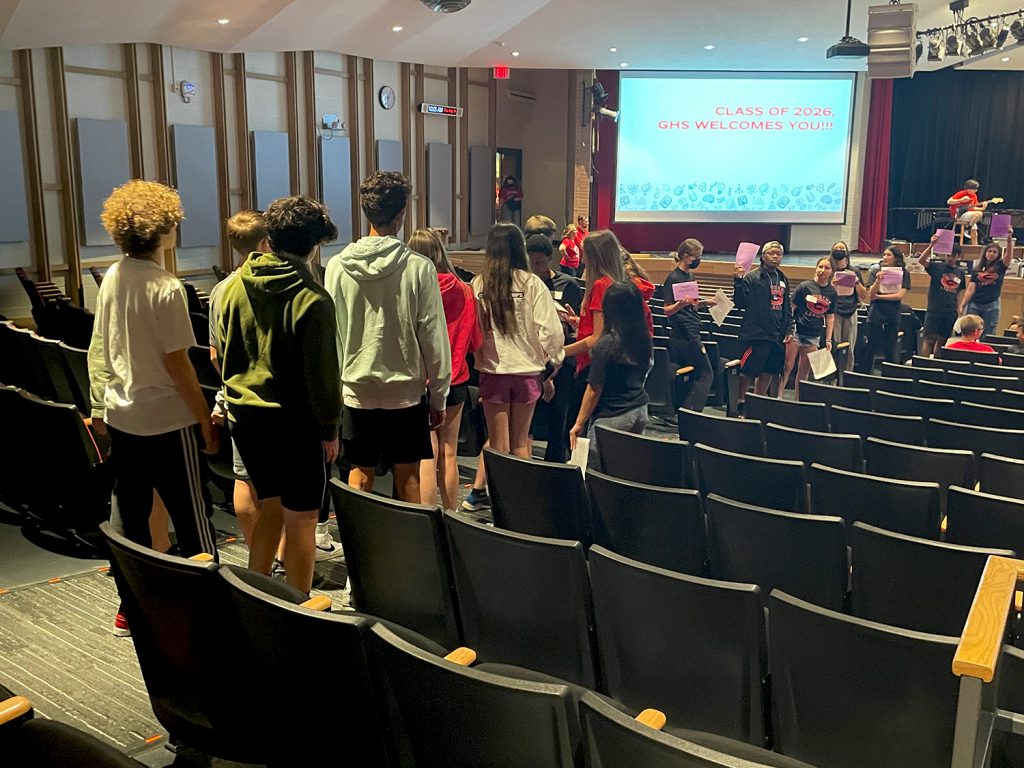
(326, 547)
(121, 626)
(477, 500)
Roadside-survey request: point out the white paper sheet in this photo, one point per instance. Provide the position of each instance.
(723, 306)
(822, 363)
(581, 454)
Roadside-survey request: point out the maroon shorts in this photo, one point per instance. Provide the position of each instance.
(500, 388)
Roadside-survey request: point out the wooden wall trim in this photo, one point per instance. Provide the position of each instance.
(453, 142)
(403, 96)
(38, 244)
(464, 155)
(292, 108)
(314, 187)
(13, 81)
(66, 166)
(130, 58)
(97, 71)
(492, 119)
(330, 72)
(270, 78)
(160, 131)
(242, 132)
(369, 102)
(420, 192)
(432, 76)
(220, 132)
(351, 64)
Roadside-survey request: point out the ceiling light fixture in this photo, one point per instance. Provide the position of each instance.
(709, 47)
(1017, 29)
(222, 22)
(954, 43)
(613, 50)
(1005, 58)
(515, 53)
(446, 6)
(802, 39)
(936, 48)
(397, 28)
(624, 64)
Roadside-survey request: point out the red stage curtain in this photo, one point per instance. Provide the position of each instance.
(874, 201)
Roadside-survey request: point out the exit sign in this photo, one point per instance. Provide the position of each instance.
(501, 73)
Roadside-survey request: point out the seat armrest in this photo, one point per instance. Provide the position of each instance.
(684, 370)
(13, 708)
(202, 557)
(652, 718)
(462, 656)
(318, 603)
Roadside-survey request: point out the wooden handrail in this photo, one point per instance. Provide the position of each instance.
(982, 639)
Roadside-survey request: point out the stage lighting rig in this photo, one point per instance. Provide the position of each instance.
(972, 37)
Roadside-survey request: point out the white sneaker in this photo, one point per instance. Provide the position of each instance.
(326, 547)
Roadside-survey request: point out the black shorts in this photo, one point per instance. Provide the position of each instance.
(457, 395)
(373, 436)
(283, 460)
(939, 324)
(763, 357)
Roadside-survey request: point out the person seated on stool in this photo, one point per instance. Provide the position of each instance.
(965, 209)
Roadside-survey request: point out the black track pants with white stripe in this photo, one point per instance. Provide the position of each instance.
(171, 464)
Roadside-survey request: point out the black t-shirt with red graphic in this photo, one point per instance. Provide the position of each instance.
(812, 303)
(946, 283)
(989, 282)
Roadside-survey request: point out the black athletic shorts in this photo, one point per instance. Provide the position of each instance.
(457, 395)
(939, 324)
(285, 460)
(373, 436)
(763, 357)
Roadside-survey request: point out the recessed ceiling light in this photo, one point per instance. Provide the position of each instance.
(1005, 58)
(802, 39)
(223, 21)
(397, 28)
(515, 53)
(613, 50)
(709, 47)
(624, 64)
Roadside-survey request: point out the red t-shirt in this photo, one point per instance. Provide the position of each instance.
(963, 193)
(595, 302)
(971, 346)
(571, 254)
(581, 235)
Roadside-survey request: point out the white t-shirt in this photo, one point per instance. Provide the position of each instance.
(538, 336)
(141, 315)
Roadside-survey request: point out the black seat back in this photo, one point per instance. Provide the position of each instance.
(61, 383)
(524, 600)
(741, 435)
(914, 583)
(914, 462)
(537, 497)
(690, 647)
(903, 429)
(968, 355)
(43, 742)
(979, 415)
(834, 704)
(940, 364)
(879, 383)
(774, 483)
(77, 363)
(1003, 442)
(809, 416)
(906, 405)
(986, 381)
(398, 563)
(896, 505)
(832, 450)
(847, 396)
(644, 459)
(806, 557)
(657, 526)
(1001, 476)
(977, 519)
(959, 394)
(450, 716)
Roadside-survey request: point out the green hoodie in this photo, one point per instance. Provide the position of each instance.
(277, 335)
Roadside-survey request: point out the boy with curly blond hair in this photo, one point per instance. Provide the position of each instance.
(144, 390)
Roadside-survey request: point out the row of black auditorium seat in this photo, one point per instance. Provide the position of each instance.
(701, 650)
(47, 368)
(401, 698)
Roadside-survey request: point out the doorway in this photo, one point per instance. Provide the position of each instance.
(508, 185)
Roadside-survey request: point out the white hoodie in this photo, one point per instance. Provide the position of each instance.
(392, 339)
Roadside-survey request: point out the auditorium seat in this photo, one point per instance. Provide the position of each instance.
(41, 743)
(658, 384)
(446, 715)
(896, 505)
(1012, 359)
(15, 480)
(77, 364)
(960, 394)
(613, 739)
(832, 450)
(975, 379)
(773, 483)
(875, 383)
(887, 426)
(206, 371)
(907, 405)
(977, 519)
(850, 693)
(60, 381)
(945, 466)
(914, 583)
(989, 416)
(917, 373)
(1007, 748)
(21, 364)
(658, 526)
(968, 355)
(740, 435)
(804, 555)
(1000, 475)
(807, 416)
(692, 648)
(1002, 442)
(398, 562)
(849, 397)
(940, 364)
(644, 458)
(1006, 369)
(539, 498)
(524, 600)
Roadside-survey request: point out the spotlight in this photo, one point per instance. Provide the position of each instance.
(973, 39)
(1002, 33)
(609, 114)
(936, 48)
(1017, 30)
(987, 35)
(599, 95)
(918, 50)
(954, 44)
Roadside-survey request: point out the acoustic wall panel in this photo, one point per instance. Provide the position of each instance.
(102, 155)
(336, 171)
(389, 156)
(481, 190)
(194, 148)
(270, 166)
(439, 186)
(14, 211)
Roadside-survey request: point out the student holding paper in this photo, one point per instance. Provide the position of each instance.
(982, 297)
(814, 308)
(850, 291)
(885, 295)
(684, 346)
(945, 297)
(764, 294)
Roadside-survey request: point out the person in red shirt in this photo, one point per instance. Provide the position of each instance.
(582, 229)
(971, 329)
(570, 249)
(965, 209)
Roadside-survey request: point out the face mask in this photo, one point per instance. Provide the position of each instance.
(839, 255)
(695, 263)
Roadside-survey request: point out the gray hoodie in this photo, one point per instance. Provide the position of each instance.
(392, 338)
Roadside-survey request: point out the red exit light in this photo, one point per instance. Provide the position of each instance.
(502, 73)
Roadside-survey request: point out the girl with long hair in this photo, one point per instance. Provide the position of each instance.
(464, 336)
(814, 307)
(884, 311)
(522, 339)
(848, 297)
(615, 393)
(982, 297)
